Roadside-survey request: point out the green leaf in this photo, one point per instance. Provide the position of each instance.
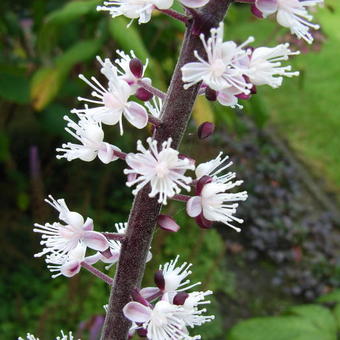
(336, 313)
(56, 20)
(14, 87)
(278, 328)
(128, 39)
(47, 82)
(320, 316)
(333, 296)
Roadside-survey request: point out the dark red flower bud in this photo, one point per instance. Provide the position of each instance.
(136, 67)
(180, 298)
(136, 296)
(167, 223)
(142, 332)
(243, 96)
(256, 12)
(203, 222)
(143, 94)
(159, 279)
(210, 94)
(201, 183)
(205, 130)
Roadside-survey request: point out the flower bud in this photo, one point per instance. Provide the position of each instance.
(136, 67)
(180, 298)
(210, 94)
(136, 296)
(143, 94)
(205, 130)
(159, 279)
(167, 223)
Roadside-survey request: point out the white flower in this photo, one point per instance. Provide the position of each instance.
(265, 65)
(214, 203)
(192, 315)
(29, 337)
(223, 67)
(163, 169)
(66, 264)
(91, 135)
(142, 9)
(163, 322)
(60, 239)
(113, 103)
(123, 69)
(292, 14)
(228, 97)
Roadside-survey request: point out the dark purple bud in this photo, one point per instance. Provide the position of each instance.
(142, 332)
(210, 94)
(159, 279)
(143, 94)
(253, 90)
(180, 298)
(136, 67)
(256, 12)
(205, 130)
(167, 223)
(203, 222)
(243, 96)
(201, 183)
(136, 296)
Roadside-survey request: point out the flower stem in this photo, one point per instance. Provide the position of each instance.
(97, 273)
(181, 198)
(151, 89)
(154, 121)
(119, 154)
(175, 115)
(114, 236)
(176, 15)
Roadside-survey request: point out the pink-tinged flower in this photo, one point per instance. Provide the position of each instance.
(162, 322)
(291, 14)
(163, 169)
(113, 103)
(223, 67)
(228, 97)
(91, 135)
(265, 67)
(59, 239)
(213, 202)
(66, 264)
(125, 68)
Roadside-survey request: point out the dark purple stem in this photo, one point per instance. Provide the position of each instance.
(114, 236)
(176, 15)
(97, 273)
(175, 115)
(119, 154)
(151, 89)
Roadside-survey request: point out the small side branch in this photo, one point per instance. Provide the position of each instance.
(119, 154)
(176, 15)
(181, 198)
(154, 121)
(97, 273)
(114, 236)
(151, 89)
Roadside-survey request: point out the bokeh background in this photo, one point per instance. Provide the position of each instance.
(284, 144)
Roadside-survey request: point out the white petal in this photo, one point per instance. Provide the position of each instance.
(194, 3)
(267, 7)
(136, 115)
(194, 206)
(148, 292)
(95, 240)
(137, 312)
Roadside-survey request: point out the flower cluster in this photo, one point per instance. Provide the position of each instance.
(292, 14)
(232, 72)
(142, 9)
(166, 311)
(65, 244)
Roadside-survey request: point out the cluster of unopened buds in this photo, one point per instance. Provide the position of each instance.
(227, 73)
